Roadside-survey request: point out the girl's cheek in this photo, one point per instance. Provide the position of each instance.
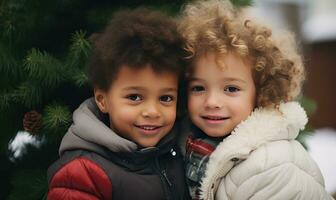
(193, 103)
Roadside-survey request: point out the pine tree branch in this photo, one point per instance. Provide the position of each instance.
(241, 3)
(8, 64)
(309, 105)
(6, 99)
(79, 78)
(56, 117)
(28, 184)
(80, 50)
(44, 68)
(28, 93)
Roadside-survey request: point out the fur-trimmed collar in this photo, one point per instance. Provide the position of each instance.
(262, 126)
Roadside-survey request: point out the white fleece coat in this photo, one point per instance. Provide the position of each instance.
(261, 160)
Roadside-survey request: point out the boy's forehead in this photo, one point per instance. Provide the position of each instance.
(145, 69)
(132, 77)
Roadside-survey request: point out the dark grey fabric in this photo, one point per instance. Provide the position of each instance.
(89, 132)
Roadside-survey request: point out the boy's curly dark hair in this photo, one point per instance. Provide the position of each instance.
(135, 38)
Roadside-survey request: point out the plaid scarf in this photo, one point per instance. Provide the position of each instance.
(199, 146)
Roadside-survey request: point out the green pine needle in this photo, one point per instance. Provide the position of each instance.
(29, 184)
(5, 100)
(241, 3)
(80, 78)
(309, 105)
(44, 68)
(8, 65)
(28, 94)
(56, 117)
(79, 50)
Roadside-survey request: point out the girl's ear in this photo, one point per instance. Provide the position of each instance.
(101, 101)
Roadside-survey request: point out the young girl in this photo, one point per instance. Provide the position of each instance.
(242, 81)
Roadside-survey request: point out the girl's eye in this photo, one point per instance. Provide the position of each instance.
(197, 89)
(231, 89)
(134, 97)
(166, 98)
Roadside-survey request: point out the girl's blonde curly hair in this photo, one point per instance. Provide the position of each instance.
(216, 26)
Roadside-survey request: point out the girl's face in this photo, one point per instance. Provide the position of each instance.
(220, 97)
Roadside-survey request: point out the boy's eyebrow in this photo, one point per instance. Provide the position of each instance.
(133, 88)
(173, 89)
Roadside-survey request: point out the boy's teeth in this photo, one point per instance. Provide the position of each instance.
(148, 127)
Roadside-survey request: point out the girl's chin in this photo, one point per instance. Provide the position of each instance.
(215, 133)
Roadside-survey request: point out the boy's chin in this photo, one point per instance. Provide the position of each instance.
(147, 144)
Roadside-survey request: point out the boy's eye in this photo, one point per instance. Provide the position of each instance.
(197, 88)
(166, 98)
(134, 97)
(231, 89)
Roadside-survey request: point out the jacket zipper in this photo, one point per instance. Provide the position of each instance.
(166, 177)
(164, 180)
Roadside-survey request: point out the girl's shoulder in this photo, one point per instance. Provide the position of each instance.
(280, 157)
(281, 169)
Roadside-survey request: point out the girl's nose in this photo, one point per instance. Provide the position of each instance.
(213, 101)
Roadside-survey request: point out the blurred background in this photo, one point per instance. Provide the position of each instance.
(314, 23)
(43, 50)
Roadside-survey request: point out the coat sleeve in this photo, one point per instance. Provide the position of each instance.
(281, 170)
(80, 179)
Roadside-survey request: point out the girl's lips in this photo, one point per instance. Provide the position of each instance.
(212, 119)
(148, 129)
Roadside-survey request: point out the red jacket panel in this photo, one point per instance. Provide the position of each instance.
(80, 179)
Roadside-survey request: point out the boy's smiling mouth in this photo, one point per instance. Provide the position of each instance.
(149, 129)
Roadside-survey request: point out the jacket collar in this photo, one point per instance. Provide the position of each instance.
(262, 126)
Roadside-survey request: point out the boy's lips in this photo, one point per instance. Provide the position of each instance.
(149, 129)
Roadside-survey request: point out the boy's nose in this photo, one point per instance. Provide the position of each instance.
(213, 101)
(151, 111)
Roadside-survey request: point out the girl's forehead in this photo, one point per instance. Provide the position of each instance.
(221, 60)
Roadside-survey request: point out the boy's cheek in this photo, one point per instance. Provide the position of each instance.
(123, 115)
(170, 114)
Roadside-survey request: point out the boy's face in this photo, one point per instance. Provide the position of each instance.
(141, 104)
(220, 97)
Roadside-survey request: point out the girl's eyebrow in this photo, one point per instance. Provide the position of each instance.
(195, 79)
(231, 79)
(226, 79)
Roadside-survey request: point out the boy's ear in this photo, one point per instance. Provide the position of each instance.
(100, 98)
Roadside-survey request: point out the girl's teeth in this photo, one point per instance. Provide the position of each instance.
(215, 118)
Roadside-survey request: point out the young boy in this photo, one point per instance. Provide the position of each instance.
(121, 144)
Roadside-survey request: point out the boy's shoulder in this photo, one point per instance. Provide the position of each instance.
(79, 174)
